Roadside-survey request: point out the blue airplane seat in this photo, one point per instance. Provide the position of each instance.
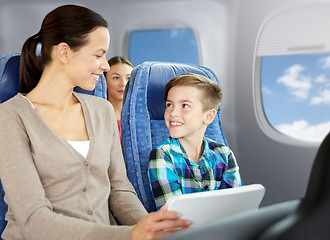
(100, 89)
(9, 73)
(142, 119)
(9, 87)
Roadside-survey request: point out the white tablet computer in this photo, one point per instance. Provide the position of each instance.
(203, 207)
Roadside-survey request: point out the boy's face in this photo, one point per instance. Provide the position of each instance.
(184, 115)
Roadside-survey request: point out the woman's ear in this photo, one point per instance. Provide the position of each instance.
(63, 52)
(210, 115)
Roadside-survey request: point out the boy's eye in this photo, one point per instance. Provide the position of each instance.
(116, 78)
(168, 105)
(185, 105)
(98, 56)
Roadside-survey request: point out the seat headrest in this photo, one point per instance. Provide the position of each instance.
(9, 76)
(159, 74)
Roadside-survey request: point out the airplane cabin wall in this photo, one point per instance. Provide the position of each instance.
(283, 167)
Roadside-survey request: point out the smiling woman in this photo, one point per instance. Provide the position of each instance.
(117, 78)
(62, 168)
(89, 62)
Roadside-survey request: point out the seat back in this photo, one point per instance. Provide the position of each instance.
(291, 220)
(9, 87)
(100, 89)
(311, 220)
(9, 74)
(142, 119)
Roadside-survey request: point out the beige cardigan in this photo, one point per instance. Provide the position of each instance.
(55, 193)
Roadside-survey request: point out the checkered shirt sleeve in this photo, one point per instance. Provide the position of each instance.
(162, 177)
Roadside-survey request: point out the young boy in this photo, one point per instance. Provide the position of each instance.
(187, 161)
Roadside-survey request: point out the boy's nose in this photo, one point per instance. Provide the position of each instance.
(174, 113)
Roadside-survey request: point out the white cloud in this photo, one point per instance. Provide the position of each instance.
(325, 63)
(302, 130)
(321, 79)
(267, 91)
(297, 83)
(174, 33)
(324, 97)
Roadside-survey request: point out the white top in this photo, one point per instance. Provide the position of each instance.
(81, 147)
(29, 101)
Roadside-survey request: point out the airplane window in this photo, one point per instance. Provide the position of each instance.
(172, 45)
(295, 92)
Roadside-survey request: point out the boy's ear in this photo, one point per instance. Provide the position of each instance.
(63, 52)
(210, 115)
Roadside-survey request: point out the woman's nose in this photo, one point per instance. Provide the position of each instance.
(123, 81)
(105, 66)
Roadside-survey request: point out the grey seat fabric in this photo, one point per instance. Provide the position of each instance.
(312, 218)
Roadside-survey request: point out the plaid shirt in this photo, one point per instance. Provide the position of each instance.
(172, 173)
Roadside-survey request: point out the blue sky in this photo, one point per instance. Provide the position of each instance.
(172, 45)
(296, 94)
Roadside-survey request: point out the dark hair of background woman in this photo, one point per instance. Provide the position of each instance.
(117, 59)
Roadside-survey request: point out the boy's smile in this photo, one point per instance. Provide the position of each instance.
(175, 124)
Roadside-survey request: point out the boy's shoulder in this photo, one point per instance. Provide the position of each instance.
(163, 144)
(216, 146)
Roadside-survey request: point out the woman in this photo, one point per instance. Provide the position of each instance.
(59, 177)
(117, 78)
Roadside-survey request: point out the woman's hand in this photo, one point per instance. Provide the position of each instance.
(159, 224)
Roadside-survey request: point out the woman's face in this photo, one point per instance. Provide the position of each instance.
(117, 78)
(88, 63)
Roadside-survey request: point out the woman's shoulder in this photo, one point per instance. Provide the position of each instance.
(13, 109)
(13, 104)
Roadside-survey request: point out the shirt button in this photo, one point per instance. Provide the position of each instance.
(199, 167)
(206, 187)
(84, 190)
(89, 212)
(86, 163)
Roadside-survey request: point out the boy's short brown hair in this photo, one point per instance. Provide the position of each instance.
(211, 90)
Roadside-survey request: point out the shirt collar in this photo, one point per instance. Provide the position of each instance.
(177, 149)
